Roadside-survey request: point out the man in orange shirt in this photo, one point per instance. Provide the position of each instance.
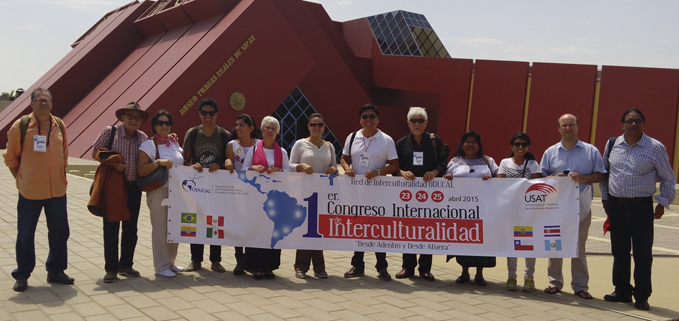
(39, 166)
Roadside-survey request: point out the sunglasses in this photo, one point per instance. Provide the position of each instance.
(417, 120)
(205, 113)
(634, 121)
(133, 117)
(366, 116)
(316, 124)
(164, 123)
(524, 145)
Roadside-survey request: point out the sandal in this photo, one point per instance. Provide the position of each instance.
(552, 290)
(584, 294)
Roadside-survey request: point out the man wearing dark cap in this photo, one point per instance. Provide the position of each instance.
(124, 139)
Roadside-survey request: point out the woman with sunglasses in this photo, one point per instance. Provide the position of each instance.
(312, 155)
(161, 150)
(520, 164)
(246, 135)
(267, 157)
(469, 161)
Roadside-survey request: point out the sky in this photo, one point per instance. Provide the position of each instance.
(36, 34)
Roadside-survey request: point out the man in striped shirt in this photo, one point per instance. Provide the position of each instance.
(635, 161)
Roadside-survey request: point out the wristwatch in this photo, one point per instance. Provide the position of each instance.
(378, 172)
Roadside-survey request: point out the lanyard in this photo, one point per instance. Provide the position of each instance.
(49, 130)
(370, 140)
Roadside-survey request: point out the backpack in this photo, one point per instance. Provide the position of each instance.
(23, 127)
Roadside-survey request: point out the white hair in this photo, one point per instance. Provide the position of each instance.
(269, 120)
(417, 111)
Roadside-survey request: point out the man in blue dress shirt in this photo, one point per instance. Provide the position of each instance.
(583, 163)
(636, 162)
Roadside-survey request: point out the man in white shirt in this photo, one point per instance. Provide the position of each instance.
(369, 152)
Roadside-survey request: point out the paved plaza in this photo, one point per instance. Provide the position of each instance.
(207, 295)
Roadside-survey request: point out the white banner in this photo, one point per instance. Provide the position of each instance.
(498, 217)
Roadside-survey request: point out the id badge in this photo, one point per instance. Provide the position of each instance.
(39, 143)
(365, 159)
(418, 158)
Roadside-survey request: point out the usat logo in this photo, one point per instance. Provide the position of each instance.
(538, 192)
(189, 185)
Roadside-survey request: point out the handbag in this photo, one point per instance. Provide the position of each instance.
(156, 179)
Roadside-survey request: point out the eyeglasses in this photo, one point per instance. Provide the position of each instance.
(161, 123)
(634, 121)
(471, 143)
(269, 128)
(366, 116)
(417, 120)
(316, 124)
(133, 117)
(43, 101)
(205, 113)
(524, 145)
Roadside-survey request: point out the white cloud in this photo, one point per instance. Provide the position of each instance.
(33, 26)
(344, 3)
(89, 6)
(477, 41)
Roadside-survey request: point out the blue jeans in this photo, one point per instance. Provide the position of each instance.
(28, 213)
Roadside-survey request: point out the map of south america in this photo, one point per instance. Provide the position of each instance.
(281, 208)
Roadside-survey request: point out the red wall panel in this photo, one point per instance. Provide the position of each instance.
(558, 89)
(498, 101)
(446, 77)
(653, 91)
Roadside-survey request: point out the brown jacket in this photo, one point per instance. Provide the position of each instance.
(109, 195)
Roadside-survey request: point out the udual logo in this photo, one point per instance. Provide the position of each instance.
(189, 185)
(542, 190)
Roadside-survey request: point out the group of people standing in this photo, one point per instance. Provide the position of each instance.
(627, 174)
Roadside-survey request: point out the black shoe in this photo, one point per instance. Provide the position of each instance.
(354, 272)
(193, 266)
(129, 272)
(427, 276)
(240, 267)
(60, 278)
(614, 297)
(480, 281)
(405, 273)
(642, 305)
(462, 279)
(20, 285)
(383, 275)
(269, 275)
(110, 277)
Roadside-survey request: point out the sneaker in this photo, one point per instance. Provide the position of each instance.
(321, 274)
(528, 285)
(300, 274)
(130, 272)
(193, 266)
(176, 269)
(217, 267)
(110, 277)
(511, 284)
(166, 273)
